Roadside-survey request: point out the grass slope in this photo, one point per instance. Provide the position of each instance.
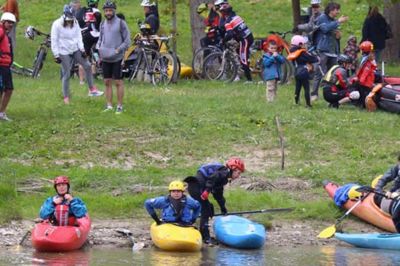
(166, 133)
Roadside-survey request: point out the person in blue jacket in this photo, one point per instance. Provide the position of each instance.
(176, 207)
(272, 61)
(62, 209)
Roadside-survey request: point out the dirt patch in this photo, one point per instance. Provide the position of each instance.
(289, 184)
(104, 233)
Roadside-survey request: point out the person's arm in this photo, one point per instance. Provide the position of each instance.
(152, 204)
(54, 39)
(196, 209)
(280, 59)
(326, 25)
(389, 176)
(268, 60)
(79, 36)
(78, 207)
(47, 209)
(126, 36)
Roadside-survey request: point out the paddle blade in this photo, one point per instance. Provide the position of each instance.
(328, 232)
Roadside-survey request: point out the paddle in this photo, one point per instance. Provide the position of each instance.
(331, 230)
(127, 233)
(258, 211)
(373, 190)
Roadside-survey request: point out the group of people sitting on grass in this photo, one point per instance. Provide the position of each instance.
(63, 209)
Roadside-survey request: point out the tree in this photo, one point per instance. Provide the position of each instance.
(392, 50)
(196, 24)
(296, 12)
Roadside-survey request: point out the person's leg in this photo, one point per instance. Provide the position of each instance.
(5, 99)
(107, 76)
(66, 62)
(117, 76)
(319, 73)
(88, 73)
(120, 91)
(306, 85)
(81, 73)
(6, 91)
(244, 51)
(297, 91)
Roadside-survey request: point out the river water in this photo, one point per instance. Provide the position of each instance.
(325, 256)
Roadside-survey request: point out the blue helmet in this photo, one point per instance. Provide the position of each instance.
(68, 15)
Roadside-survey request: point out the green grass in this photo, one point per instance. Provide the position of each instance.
(166, 133)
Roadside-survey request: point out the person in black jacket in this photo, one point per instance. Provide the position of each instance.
(151, 16)
(375, 29)
(211, 178)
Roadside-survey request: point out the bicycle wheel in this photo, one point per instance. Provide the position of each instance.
(171, 62)
(216, 66)
(198, 61)
(135, 66)
(38, 63)
(163, 69)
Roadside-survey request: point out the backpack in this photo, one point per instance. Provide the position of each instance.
(209, 169)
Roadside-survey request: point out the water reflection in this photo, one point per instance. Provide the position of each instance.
(276, 256)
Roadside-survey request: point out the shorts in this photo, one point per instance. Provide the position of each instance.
(112, 70)
(6, 82)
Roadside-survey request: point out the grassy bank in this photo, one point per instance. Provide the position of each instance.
(166, 133)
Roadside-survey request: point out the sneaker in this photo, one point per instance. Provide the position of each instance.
(248, 82)
(93, 92)
(108, 108)
(119, 110)
(314, 98)
(237, 78)
(81, 82)
(66, 100)
(4, 117)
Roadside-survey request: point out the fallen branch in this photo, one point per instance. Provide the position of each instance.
(281, 142)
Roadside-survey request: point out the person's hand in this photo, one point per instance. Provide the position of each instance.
(275, 54)
(117, 51)
(224, 211)
(68, 197)
(204, 195)
(338, 34)
(343, 19)
(84, 54)
(57, 60)
(57, 200)
(388, 194)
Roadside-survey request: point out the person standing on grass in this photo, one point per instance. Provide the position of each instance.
(176, 207)
(11, 6)
(302, 62)
(114, 40)
(6, 50)
(327, 42)
(272, 61)
(211, 178)
(67, 48)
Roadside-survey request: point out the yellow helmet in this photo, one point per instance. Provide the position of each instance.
(353, 193)
(176, 185)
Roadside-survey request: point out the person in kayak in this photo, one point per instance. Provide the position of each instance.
(176, 207)
(62, 209)
(211, 178)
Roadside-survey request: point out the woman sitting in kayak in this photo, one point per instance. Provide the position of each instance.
(211, 178)
(62, 209)
(176, 207)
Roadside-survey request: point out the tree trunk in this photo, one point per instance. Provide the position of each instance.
(196, 24)
(392, 51)
(296, 12)
(174, 27)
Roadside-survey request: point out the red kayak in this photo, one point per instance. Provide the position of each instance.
(392, 80)
(367, 210)
(47, 237)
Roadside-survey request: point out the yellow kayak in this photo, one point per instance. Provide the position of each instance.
(175, 238)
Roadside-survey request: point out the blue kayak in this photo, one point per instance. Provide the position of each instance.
(375, 240)
(239, 232)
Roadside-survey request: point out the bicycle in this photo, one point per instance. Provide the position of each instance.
(31, 33)
(199, 57)
(21, 70)
(222, 65)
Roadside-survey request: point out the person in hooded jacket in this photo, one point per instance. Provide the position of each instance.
(211, 179)
(151, 16)
(352, 50)
(62, 209)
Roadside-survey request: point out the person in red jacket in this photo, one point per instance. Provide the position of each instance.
(7, 22)
(365, 76)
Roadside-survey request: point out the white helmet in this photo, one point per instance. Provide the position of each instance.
(7, 16)
(315, 2)
(146, 3)
(220, 2)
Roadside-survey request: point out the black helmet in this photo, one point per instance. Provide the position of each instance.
(109, 4)
(342, 58)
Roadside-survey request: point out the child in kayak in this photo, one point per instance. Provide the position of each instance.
(176, 207)
(62, 209)
(211, 178)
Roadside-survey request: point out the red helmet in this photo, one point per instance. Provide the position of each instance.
(366, 46)
(61, 180)
(235, 163)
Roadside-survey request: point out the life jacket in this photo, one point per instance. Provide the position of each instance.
(62, 217)
(209, 169)
(5, 48)
(366, 73)
(238, 27)
(294, 55)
